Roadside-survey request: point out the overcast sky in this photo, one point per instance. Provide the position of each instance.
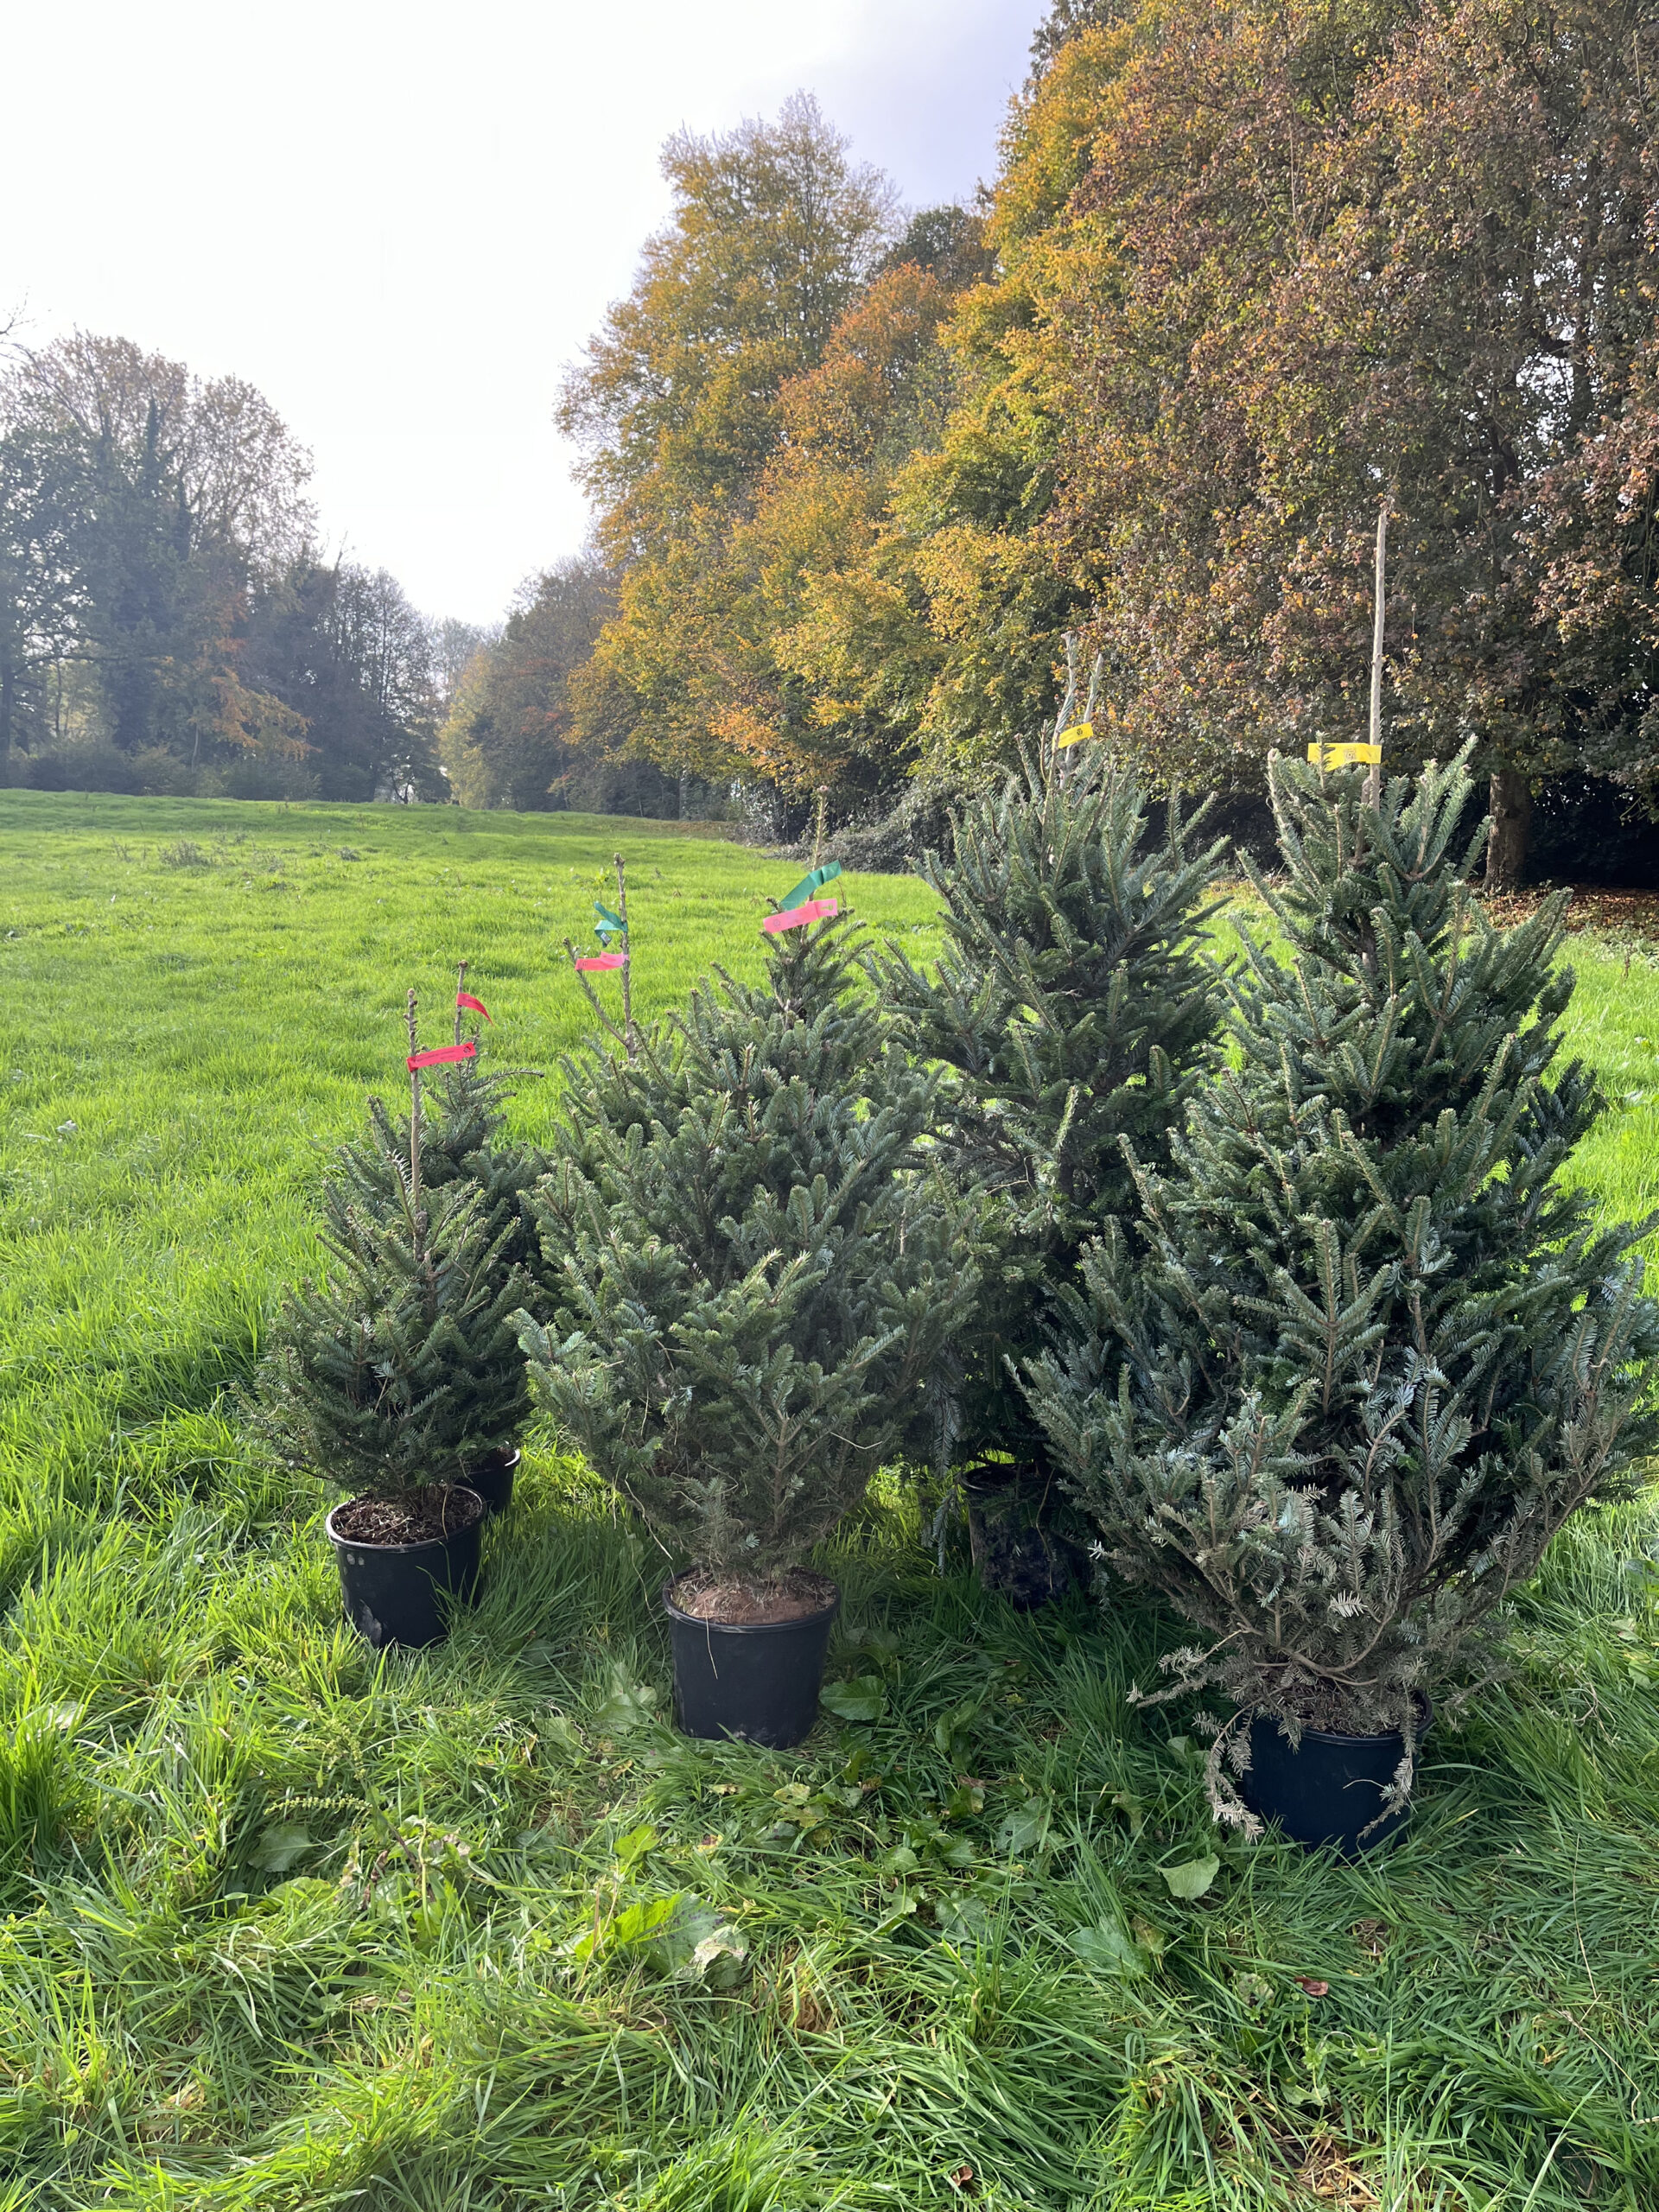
(401, 221)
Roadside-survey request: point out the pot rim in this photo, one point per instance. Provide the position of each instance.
(1342, 1736)
(503, 1456)
(424, 1544)
(747, 1628)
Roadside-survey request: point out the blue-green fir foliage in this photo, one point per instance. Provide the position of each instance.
(1381, 1348)
(463, 1122)
(403, 1366)
(756, 1274)
(1072, 1007)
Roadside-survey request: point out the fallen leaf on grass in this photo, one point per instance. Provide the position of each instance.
(1109, 1948)
(1313, 1988)
(279, 1848)
(626, 1704)
(964, 2179)
(1191, 1880)
(862, 1699)
(1025, 1827)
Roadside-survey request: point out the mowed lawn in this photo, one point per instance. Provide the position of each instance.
(285, 1926)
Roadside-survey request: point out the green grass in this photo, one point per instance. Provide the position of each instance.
(288, 1927)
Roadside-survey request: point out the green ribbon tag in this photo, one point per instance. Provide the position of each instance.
(809, 886)
(608, 924)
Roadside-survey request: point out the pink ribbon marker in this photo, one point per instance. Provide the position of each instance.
(603, 960)
(815, 910)
(466, 998)
(444, 1055)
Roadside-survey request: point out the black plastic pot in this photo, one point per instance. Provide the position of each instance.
(491, 1477)
(759, 1680)
(1016, 1530)
(1329, 1788)
(394, 1594)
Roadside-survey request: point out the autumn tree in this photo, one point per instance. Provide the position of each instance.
(774, 691)
(676, 407)
(1314, 261)
(943, 630)
(512, 735)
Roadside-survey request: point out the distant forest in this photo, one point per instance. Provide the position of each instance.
(1243, 272)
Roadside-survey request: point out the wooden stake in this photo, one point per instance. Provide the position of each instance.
(461, 985)
(627, 969)
(415, 1130)
(817, 834)
(1067, 703)
(1374, 778)
(594, 1000)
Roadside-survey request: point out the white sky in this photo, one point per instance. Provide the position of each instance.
(400, 222)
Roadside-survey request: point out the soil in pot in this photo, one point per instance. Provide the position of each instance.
(1018, 1530)
(749, 1663)
(400, 1557)
(1326, 1792)
(491, 1477)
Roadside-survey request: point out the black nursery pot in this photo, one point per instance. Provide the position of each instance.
(1324, 1792)
(394, 1594)
(491, 1477)
(1019, 1547)
(756, 1679)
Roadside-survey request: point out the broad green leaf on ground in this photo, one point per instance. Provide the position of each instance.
(862, 1699)
(1192, 1879)
(1109, 1948)
(626, 1704)
(280, 1848)
(1026, 1827)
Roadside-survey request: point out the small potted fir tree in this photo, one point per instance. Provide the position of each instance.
(1071, 1006)
(462, 1141)
(1381, 1348)
(396, 1375)
(758, 1278)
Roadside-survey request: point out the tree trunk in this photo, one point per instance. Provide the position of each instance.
(1510, 803)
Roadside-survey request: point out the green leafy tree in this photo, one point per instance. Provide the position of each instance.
(157, 501)
(758, 1276)
(1073, 1006)
(1379, 1348)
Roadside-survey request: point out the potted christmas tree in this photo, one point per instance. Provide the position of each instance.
(397, 1375)
(1072, 1006)
(1379, 1349)
(759, 1277)
(462, 1141)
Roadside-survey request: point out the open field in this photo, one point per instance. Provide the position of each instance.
(290, 1928)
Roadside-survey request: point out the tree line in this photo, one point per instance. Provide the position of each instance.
(1246, 273)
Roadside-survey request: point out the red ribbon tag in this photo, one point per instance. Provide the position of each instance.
(444, 1055)
(815, 910)
(466, 998)
(603, 960)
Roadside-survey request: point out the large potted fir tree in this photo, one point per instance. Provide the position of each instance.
(398, 1373)
(757, 1276)
(1072, 1006)
(1381, 1348)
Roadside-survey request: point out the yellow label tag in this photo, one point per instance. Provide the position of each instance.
(1345, 756)
(1075, 735)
